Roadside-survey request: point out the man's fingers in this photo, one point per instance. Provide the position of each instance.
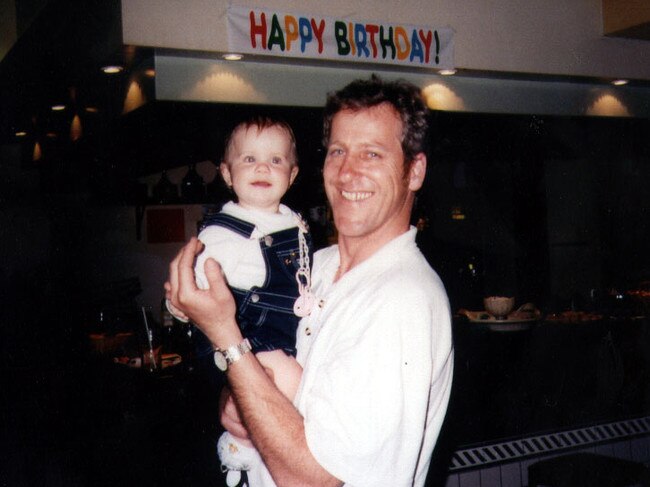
(230, 418)
(214, 274)
(172, 292)
(168, 290)
(185, 268)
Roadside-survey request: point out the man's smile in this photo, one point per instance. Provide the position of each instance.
(356, 195)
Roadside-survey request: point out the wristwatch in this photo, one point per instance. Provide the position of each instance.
(224, 358)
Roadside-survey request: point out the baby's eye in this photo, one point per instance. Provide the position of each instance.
(249, 159)
(277, 160)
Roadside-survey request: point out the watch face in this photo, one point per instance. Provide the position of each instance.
(220, 361)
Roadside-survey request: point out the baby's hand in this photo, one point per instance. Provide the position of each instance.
(176, 313)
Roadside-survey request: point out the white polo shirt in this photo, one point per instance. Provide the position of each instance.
(378, 362)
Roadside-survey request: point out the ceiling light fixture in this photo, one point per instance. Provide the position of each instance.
(112, 69)
(620, 82)
(21, 133)
(233, 56)
(58, 108)
(447, 72)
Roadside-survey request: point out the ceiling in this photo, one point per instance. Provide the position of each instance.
(629, 19)
(57, 60)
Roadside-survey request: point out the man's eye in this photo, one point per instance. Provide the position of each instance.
(335, 152)
(372, 155)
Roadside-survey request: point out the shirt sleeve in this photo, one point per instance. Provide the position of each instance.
(222, 245)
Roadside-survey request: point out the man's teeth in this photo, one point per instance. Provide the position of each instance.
(356, 196)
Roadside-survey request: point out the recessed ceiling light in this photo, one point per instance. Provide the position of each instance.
(51, 135)
(21, 133)
(92, 109)
(150, 72)
(233, 56)
(620, 82)
(447, 72)
(112, 69)
(58, 108)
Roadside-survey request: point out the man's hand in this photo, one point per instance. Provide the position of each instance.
(212, 309)
(175, 312)
(229, 415)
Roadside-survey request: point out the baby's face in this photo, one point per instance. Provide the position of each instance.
(259, 167)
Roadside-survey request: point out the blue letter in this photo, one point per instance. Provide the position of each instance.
(416, 47)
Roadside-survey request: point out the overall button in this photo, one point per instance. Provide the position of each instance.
(268, 240)
(255, 298)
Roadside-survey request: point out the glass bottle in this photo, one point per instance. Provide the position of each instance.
(165, 192)
(192, 186)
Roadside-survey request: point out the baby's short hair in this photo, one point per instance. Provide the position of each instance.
(262, 122)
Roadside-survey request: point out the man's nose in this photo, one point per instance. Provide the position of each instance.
(347, 169)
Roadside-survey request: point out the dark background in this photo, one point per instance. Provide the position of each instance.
(556, 213)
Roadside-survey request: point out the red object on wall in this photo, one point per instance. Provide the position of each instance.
(165, 225)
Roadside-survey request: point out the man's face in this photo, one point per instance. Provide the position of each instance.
(364, 175)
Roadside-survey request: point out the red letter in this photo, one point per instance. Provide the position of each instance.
(318, 33)
(372, 30)
(427, 44)
(258, 29)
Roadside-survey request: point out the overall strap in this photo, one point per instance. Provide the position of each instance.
(241, 227)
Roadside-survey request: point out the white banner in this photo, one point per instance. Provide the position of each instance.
(271, 33)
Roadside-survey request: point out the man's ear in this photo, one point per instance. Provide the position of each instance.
(417, 171)
(225, 174)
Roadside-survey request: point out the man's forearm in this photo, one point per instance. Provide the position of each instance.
(275, 426)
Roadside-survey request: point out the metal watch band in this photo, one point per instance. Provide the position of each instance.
(235, 352)
(224, 358)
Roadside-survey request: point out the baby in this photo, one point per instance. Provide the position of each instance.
(264, 249)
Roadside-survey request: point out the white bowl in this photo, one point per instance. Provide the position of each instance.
(499, 306)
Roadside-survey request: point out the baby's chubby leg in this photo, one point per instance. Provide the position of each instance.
(283, 369)
(285, 372)
(238, 453)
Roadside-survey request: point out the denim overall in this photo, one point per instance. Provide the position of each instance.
(265, 313)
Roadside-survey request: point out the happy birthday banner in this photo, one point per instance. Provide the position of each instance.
(272, 33)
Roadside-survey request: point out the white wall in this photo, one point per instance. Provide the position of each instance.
(552, 37)
(210, 80)
(538, 36)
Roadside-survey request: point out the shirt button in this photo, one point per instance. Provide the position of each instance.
(255, 298)
(268, 240)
